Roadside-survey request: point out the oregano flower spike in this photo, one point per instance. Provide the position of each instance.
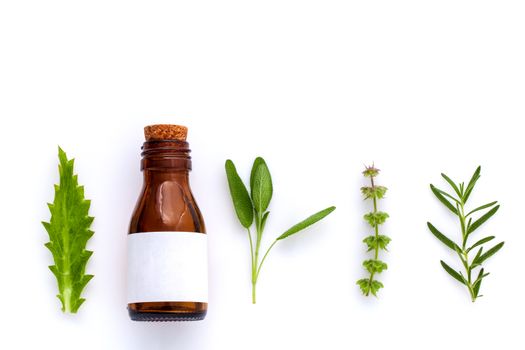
(252, 206)
(69, 231)
(456, 203)
(375, 242)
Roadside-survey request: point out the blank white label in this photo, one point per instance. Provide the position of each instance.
(167, 266)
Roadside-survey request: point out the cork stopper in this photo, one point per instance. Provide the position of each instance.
(160, 132)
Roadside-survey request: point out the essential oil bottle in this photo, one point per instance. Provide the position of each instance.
(167, 243)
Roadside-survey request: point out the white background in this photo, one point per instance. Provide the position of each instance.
(318, 88)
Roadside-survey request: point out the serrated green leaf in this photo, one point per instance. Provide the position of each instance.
(375, 286)
(377, 192)
(68, 231)
(476, 224)
(437, 192)
(376, 218)
(379, 242)
(306, 222)
(240, 197)
(453, 272)
(375, 265)
(364, 284)
(447, 241)
(261, 185)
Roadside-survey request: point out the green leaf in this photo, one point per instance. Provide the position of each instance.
(241, 200)
(437, 192)
(471, 184)
(453, 272)
(264, 218)
(375, 286)
(261, 185)
(480, 242)
(482, 207)
(255, 165)
(376, 218)
(452, 184)
(68, 231)
(377, 192)
(368, 286)
(306, 222)
(475, 262)
(489, 253)
(375, 265)
(476, 224)
(379, 242)
(364, 284)
(447, 241)
(477, 283)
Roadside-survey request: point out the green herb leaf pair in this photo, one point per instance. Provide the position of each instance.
(375, 242)
(456, 204)
(252, 206)
(69, 231)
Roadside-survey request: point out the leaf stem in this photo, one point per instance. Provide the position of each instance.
(264, 258)
(376, 230)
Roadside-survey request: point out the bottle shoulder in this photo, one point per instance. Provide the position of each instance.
(166, 206)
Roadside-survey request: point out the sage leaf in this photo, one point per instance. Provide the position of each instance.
(306, 222)
(240, 197)
(261, 188)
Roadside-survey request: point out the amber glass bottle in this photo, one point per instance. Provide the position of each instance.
(167, 250)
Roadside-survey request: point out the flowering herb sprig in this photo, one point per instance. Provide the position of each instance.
(376, 241)
(468, 226)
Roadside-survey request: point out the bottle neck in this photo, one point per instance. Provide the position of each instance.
(166, 159)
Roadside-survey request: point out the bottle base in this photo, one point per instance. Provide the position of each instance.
(165, 316)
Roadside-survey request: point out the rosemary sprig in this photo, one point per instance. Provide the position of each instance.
(375, 242)
(468, 226)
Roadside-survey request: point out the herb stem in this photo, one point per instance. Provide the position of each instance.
(264, 258)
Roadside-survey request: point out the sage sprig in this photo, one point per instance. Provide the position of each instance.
(375, 242)
(253, 206)
(456, 204)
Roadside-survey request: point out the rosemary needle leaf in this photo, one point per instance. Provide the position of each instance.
(471, 184)
(447, 241)
(490, 253)
(480, 242)
(453, 272)
(482, 219)
(442, 199)
(481, 208)
(240, 197)
(477, 284)
(306, 222)
(452, 184)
